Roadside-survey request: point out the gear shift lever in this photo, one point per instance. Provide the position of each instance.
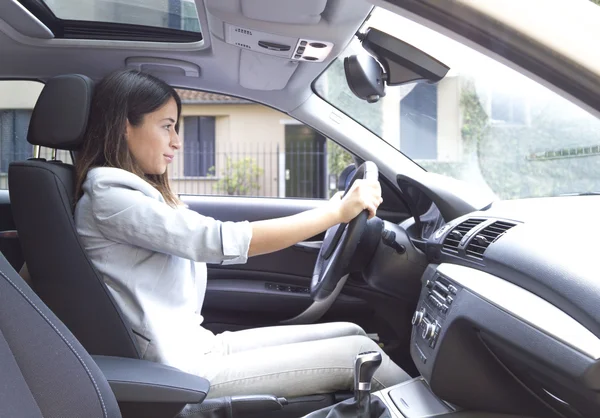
(365, 366)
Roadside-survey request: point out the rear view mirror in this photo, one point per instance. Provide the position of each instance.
(391, 62)
(365, 77)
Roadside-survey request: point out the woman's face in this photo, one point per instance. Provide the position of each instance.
(154, 141)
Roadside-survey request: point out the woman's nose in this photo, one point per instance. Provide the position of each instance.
(175, 141)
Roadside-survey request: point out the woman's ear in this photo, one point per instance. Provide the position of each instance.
(128, 129)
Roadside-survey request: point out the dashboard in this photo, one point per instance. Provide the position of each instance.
(508, 317)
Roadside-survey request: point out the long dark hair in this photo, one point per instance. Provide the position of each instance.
(120, 97)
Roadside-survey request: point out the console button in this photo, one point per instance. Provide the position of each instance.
(422, 356)
(449, 300)
(452, 289)
(418, 317)
(428, 331)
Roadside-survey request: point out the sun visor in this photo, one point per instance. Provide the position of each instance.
(265, 72)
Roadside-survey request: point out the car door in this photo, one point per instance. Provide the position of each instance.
(244, 161)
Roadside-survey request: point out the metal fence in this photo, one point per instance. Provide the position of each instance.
(298, 170)
(264, 170)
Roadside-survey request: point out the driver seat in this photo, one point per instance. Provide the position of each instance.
(42, 200)
(42, 195)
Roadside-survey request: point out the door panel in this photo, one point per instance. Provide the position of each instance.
(268, 288)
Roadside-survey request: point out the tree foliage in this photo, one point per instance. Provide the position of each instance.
(520, 160)
(239, 177)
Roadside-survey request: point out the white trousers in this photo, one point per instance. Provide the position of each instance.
(293, 360)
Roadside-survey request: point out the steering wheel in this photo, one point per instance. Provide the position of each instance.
(339, 244)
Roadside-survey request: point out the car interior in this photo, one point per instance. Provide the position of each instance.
(487, 298)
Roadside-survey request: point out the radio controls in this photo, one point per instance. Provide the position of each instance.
(418, 317)
(435, 302)
(434, 339)
(449, 300)
(442, 287)
(428, 331)
(452, 289)
(444, 308)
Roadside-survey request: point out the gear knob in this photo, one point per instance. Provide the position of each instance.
(365, 366)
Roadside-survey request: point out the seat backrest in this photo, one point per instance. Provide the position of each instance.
(44, 370)
(42, 200)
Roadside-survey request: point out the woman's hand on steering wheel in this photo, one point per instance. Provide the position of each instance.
(341, 241)
(363, 194)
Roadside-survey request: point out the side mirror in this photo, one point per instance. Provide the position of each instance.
(345, 176)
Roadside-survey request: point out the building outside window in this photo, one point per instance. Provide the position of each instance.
(198, 145)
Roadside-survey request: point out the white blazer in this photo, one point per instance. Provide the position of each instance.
(152, 258)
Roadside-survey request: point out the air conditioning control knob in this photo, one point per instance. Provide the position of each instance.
(418, 317)
(428, 331)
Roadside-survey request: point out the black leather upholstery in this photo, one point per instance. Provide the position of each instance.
(41, 195)
(61, 112)
(42, 201)
(44, 370)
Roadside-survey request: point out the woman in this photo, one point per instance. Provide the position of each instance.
(151, 252)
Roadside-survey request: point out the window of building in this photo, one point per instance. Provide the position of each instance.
(198, 145)
(13, 137)
(508, 109)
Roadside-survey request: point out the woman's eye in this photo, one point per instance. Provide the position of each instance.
(167, 127)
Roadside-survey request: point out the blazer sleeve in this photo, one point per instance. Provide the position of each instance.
(129, 216)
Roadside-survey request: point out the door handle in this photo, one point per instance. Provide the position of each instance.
(309, 246)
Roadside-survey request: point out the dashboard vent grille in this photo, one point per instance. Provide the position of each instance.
(485, 237)
(453, 239)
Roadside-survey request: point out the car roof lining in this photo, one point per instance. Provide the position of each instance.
(222, 66)
(34, 56)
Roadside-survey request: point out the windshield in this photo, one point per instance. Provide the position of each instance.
(483, 123)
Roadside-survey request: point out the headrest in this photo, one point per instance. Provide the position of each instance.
(61, 113)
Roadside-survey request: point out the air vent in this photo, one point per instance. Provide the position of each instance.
(457, 233)
(485, 237)
(243, 31)
(243, 45)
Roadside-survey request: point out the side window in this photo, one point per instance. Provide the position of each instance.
(234, 147)
(17, 99)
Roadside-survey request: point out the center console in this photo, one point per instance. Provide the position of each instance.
(414, 398)
(435, 303)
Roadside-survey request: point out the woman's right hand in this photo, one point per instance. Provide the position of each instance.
(364, 194)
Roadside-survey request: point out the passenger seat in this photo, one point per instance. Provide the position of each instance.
(45, 372)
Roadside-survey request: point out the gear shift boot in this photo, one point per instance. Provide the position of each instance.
(362, 406)
(348, 409)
